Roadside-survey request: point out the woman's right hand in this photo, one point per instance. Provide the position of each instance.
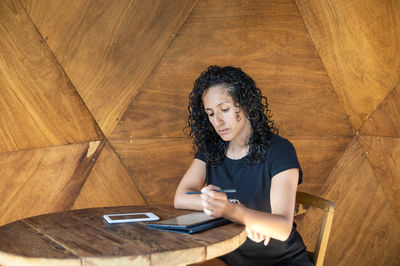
(214, 203)
(257, 237)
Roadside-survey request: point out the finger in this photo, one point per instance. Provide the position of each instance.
(214, 199)
(207, 211)
(266, 241)
(220, 196)
(211, 212)
(205, 202)
(211, 204)
(257, 237)
(213, 187)
(207, 191)
(206, 198)
(209, 188)
(250, 233)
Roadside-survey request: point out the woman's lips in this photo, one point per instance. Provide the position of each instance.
(223, 131)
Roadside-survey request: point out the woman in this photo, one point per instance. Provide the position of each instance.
(236, 148)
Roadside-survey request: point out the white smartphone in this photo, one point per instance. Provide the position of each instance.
(130, 217)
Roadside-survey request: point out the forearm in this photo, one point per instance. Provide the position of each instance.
(272, 225)
(188, 202)
(193, 180)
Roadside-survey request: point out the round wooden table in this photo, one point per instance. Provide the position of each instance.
(83, 237)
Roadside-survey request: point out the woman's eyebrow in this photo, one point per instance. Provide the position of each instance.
(208, 108)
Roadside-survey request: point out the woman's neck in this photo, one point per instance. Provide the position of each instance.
(239, 146)
(237, 151)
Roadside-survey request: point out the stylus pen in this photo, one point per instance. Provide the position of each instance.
(220, 190)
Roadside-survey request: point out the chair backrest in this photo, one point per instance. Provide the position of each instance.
(328, 207)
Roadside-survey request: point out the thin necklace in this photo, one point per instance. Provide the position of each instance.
(233, 152)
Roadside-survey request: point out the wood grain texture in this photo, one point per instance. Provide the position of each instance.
(7, 259)
(384, 157)
(109, 184)
(358, 42)
(78, 178)
(269, 41)
(187, 255)
(43, 180)
(317, 157)
(157, 165)
(224, 247)
(108, 48)
(39, 106)
(385, 121)
(365, 230)
(41, 244)
(112, 261)
(305, 199)
(85, 234)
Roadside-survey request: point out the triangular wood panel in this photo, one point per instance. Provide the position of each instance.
(358, 43)
(385, 120)
(328, 68)
(384, 155)
(365, 230)
(275, 50)
(108, 48)
(156, 165)
(325, 152)
(39, 106)
(44, 180)
(248, 35)
(109, 184)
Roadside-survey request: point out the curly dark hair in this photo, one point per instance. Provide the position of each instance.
(244, 92)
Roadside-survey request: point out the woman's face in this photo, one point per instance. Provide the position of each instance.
(227, 119)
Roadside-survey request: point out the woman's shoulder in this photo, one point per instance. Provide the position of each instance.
(279, 143)
(276, 139)
(200, 155)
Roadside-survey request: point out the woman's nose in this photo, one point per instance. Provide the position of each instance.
(218, 120)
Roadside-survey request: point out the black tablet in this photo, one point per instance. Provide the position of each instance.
(189, 223)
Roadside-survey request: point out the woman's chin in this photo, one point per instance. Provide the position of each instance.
(225, 138)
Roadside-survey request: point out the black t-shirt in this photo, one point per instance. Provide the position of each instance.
(253, 184)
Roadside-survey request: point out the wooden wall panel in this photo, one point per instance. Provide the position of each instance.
(108, 48)
(269, 40)
(318, 156)
(273, 48)
(365, 228)
(112, 49)
(358, 44)
(384, 156)
(385, 119)
(39, 106)
(43, 180)
(156, 165)
(109, 184)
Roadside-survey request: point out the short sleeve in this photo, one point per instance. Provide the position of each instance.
(283, 157)
(200, 155)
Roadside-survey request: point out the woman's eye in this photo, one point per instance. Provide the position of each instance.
(225, 110)
(210, 114)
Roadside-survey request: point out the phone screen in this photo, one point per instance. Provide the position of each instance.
(128, 216)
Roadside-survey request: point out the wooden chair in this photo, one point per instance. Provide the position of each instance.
(305, 199)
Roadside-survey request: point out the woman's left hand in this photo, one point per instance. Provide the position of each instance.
(214, 203)
(257, 237)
